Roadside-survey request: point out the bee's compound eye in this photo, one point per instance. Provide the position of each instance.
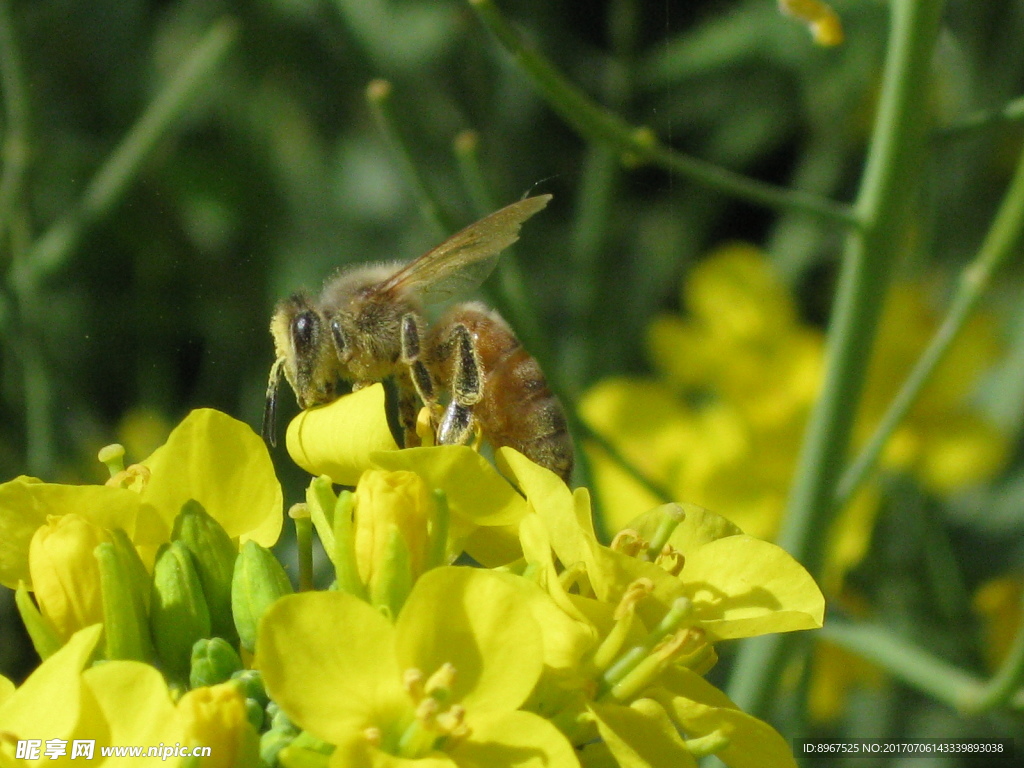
(339, 336)
(303, 329)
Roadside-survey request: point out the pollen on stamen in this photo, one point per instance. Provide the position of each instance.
(635, 592)
(628, 542)
(412, 682)
(439, 686)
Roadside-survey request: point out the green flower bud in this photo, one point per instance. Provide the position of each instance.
(250, 682)
(271, 744)
(254, 713)
(125, 623)
(214, 554)
(258, 581)
(213, 661)
(179, 615)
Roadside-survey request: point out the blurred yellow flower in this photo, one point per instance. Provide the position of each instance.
(722, 424)
(998, 603)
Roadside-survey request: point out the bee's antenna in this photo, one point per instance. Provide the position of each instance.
(270, 409)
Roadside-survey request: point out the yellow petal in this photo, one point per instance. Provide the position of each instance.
(328, 659)
(475, 490)
(473, 619)
(26, 503)
(49, 703)
(337, 439)
(514, 739)
(701, 709)
(221, 463)
(136, 708)
(639, 739)
(743, 586)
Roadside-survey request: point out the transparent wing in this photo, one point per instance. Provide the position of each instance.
(464, 260)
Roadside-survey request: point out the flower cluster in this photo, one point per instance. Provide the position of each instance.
(722, 423)
(475, 618)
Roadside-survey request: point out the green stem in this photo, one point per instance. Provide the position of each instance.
(511, 296)
(16, 147)
(1000, 243)
(54, 248)
(595, 123)
(920, 669)
(887, 189)
(303, 545)
(378, 94)
(1007, 685)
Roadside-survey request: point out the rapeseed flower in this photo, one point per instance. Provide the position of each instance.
(50, 531)
(441, 686)
(722, 423)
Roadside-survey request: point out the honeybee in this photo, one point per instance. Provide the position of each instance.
(368, 325)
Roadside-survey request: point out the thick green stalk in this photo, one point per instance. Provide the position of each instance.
(597, 124)
(1000, 243)
(889, 186)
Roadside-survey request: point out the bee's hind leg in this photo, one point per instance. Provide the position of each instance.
(458, 423)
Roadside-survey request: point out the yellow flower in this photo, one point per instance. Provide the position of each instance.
(65, 573)
(739, 586)
(723, 424)
(440, 687)
(337, 439)
(998, 603)
(50, 532)
(215, 717)
(823, 22)
(118, 703)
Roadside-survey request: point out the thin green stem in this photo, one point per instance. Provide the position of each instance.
(16, 146)
(586, 432)
(378, 95)
(595, 123)
(1000, 243)
(889, 185)
(930, 674)
(104, 190)
(1006, 687)
(511, 296)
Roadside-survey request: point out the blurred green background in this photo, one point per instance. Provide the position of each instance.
(274, 173)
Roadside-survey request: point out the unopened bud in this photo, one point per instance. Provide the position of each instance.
(214, 554)
(179, 615)
(213, 661)
(258, 581)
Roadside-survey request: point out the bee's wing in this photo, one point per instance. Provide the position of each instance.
(464, 260)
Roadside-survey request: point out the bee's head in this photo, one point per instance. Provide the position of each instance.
(305, 357)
